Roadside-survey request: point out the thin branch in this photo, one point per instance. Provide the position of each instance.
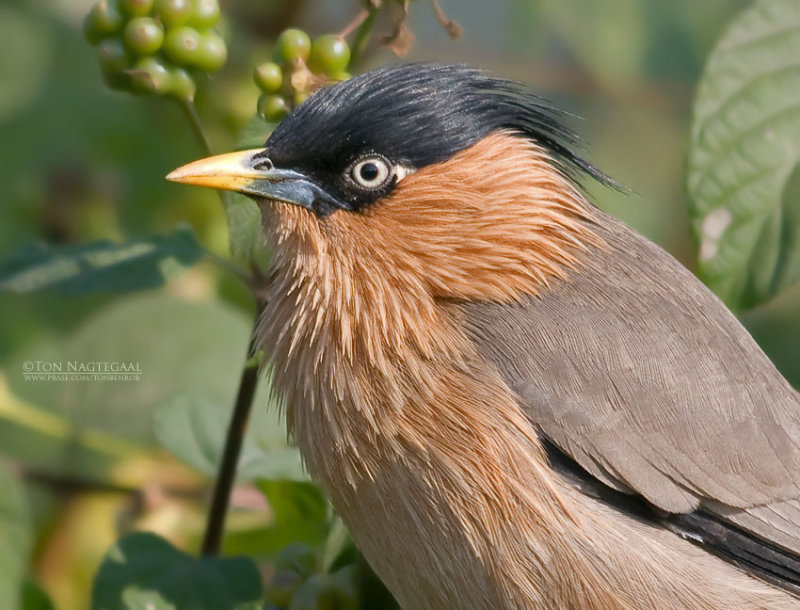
(453, 28)
(236, 270)
(63, 483)
(67, 484)
(190, 110)
(354, 24)
(233, 447)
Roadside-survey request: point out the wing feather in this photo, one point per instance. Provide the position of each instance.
(637, 372)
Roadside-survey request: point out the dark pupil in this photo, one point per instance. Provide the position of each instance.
(369, 171)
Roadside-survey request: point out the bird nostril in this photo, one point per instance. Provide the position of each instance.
(262, 162)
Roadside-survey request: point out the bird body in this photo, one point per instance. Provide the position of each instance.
(512, 400)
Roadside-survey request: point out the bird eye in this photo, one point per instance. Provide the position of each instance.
(371, 172)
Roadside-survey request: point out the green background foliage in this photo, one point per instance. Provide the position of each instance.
(87, 219)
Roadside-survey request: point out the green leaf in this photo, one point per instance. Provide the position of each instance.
(322, 591)
(24, 49)
(145, 572)
(300, 514)
(177, 344)
(337, 544)
(244, 228)
(255, 133)
(608, 37)
(194, 431)
(102, 266)
(15, 538)
(743, 157)
(35, 598)
(244, 216)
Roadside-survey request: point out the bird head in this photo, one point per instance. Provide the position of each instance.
(463, 183)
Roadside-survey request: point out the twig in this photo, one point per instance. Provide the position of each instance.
(64, 483)
(453, 28)
(354, 24)
(68, 484)
(233, 446)
(190, 111)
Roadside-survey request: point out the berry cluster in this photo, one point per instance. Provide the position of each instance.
(155, 46)
(298, 67)
(297, 585)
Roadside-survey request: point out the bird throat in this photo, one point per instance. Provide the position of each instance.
(393, 411)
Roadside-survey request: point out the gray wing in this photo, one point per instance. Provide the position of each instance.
(638, 373)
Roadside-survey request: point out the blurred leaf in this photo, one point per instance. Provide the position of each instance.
(337, 543)
(745, 149)
(244, 227)
(177, 344)
(776, 328)
(338, 590)
(254, 134)
(15, 538)
(294, 502)
(608, 37)
(24, 47)
(194, 431)
(244, 215)
(43, 439)
(102, 266)
(145, 572)
(35, 598)
(300, 514)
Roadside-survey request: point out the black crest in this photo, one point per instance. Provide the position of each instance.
(415, 115)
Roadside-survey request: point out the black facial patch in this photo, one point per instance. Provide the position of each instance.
(413, 115)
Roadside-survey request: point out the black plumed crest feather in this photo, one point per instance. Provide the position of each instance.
(416, 114)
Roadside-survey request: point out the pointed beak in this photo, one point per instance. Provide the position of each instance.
(251, 172)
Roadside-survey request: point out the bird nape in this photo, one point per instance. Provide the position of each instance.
(512, 399)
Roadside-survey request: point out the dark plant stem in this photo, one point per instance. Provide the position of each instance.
(190, 110)
(237, 428)
(248, 382)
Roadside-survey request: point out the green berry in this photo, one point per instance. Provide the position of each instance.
(104, 19)
(182, 85)
(329, 54)
(269, 77)
(292, 44)
(149, 76)
(173, 12)
(182, 45)
(205, 14)
(143, 36)
(114, 57)
(273, 108)
(339, 76)
(136, 8)
(212, 53)
(300, 97)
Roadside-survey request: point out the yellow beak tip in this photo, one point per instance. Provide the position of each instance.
(175, 176)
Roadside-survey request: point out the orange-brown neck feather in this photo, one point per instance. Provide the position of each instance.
(357, 293)
(497, 221)
(379, 381)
